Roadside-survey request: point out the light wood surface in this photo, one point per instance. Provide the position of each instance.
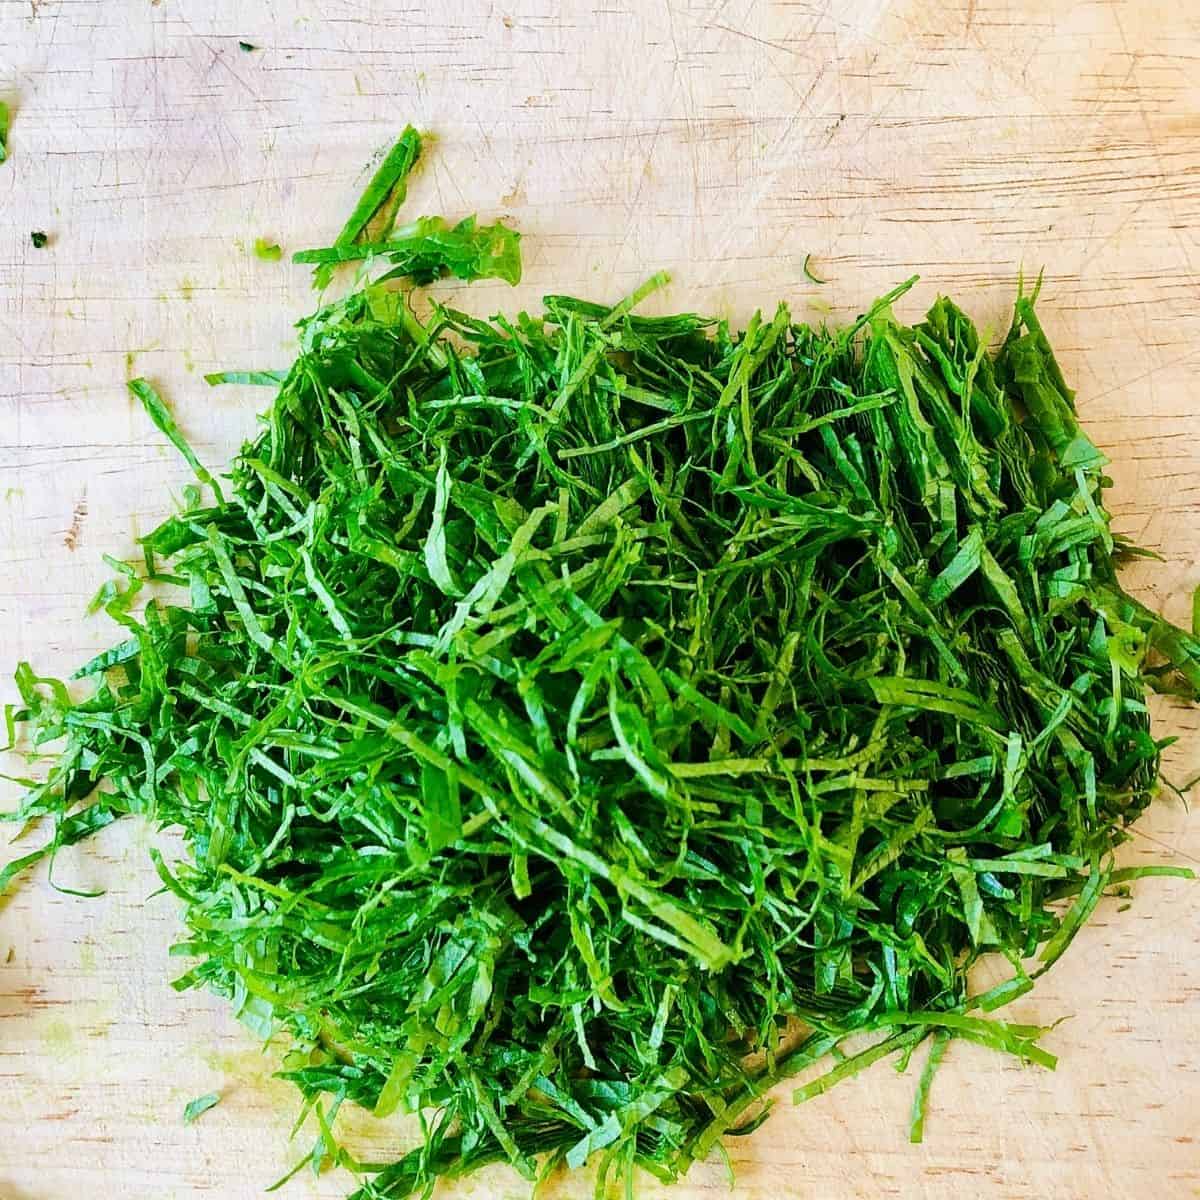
(723, 140)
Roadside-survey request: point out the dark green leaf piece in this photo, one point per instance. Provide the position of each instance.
(385, 192)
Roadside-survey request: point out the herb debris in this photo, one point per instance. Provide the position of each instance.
(267, 250)
(38, 238)
(580, 723)
(195, 1109)
(808, 274)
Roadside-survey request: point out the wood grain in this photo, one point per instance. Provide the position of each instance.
(723, 140)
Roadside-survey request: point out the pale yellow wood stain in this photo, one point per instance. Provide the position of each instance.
(723, 140)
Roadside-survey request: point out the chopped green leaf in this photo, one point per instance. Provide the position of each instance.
(429, 247)
(253, 378)
(386, 191)
(937, 1049)
(38, 238)
(198, 1107)
(267, 250)
(158, 412)
(808, 272)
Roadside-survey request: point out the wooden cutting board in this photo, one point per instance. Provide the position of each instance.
(723, 140)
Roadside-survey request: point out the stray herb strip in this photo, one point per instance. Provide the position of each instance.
(247, 47)
(423, 250)
(198, 1107)
(429, 248)
(386, 192)
(267, 250)
(578, 724)
(5, 118)
(38, 238)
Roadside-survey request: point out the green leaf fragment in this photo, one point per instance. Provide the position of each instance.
(158, 412)
(198, 1107)
(429, 247)
(390, 180)
(252, 378)
(808, 274)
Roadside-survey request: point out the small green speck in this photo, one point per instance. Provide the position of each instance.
(267, 250)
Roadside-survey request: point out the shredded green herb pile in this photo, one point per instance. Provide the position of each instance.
(579, 723)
